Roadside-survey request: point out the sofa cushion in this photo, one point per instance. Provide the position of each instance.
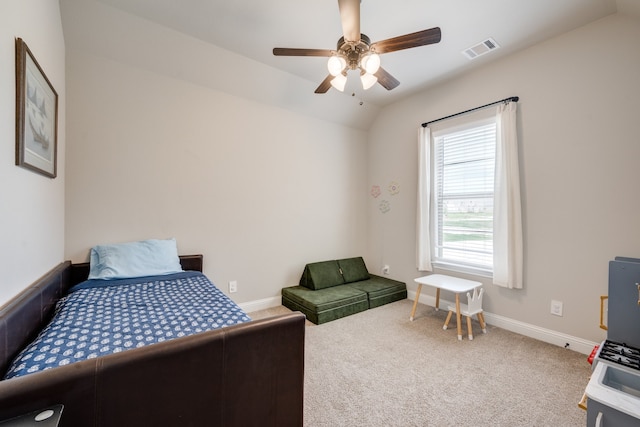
(353, 269)
(321, 275)
(326, 304)
(380, 290)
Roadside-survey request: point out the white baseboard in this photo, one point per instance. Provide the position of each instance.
(547, 335)
(261, 304)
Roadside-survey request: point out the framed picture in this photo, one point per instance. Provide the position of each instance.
(36, 115)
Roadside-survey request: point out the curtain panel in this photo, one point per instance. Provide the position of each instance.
(423, 219)
(507, 214)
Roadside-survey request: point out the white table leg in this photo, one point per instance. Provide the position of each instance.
(415, 303)
(458, 317)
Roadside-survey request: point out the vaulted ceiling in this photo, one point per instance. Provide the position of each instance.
(252, 29)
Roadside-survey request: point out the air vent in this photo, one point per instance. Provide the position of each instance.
(481, 48)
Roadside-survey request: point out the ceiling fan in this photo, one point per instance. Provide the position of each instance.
(356, 52)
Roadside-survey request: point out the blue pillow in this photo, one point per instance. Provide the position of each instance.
(136, 259)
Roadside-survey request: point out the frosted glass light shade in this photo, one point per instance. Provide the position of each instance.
(370, 63)
(336, 64)
(339, 82)
(368, 80)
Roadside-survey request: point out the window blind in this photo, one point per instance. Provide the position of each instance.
(464, 165)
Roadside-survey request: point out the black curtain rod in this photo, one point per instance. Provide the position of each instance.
(513, 98)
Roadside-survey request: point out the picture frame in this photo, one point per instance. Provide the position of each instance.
(36, 115)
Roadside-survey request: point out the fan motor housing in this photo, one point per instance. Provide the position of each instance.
(352, 52)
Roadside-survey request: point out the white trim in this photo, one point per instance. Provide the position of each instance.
(532, 331)
(261, 304)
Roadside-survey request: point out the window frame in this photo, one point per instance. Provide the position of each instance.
(450, 127)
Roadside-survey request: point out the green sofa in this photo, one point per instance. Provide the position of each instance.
(329, 290)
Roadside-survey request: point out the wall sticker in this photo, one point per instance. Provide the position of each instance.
(394, 188)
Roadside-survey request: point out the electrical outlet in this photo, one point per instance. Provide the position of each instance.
(385, 269)
(233, 286)
(556, 308)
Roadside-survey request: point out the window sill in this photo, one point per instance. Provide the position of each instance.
(463, 269)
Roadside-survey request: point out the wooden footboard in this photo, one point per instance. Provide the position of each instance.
(242, 375)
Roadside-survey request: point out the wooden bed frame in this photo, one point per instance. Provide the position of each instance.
(244, 375)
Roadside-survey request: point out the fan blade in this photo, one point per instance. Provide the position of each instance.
(285, 51)
(420, 38)
(325, 85)
(350, 17)
(386, 80)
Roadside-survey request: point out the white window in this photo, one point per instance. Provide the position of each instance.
(463, 187)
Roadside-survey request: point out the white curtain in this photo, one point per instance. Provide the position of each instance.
(423, 251)
(507, 213)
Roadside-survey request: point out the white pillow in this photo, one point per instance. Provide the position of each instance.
(136, 259)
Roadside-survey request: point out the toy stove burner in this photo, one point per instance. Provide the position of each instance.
(620, 353)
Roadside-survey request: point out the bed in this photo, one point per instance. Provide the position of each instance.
(246, 373)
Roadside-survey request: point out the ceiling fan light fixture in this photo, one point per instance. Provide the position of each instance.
(355, 52)
(336, 64)
(368, 80)
(370, 63)
(339, 82)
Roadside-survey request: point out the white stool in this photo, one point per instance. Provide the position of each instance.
(474, 306)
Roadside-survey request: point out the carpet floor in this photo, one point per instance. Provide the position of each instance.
(377, 368)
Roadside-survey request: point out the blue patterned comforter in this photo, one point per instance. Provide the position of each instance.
(101, 317)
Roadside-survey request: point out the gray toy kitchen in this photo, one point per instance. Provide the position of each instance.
(613, 392)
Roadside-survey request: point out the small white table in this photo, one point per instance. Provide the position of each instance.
(448, 283)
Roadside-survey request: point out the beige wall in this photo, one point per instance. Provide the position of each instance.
(172, 137)
(578, 115)
(31, 205)
(260, 191)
